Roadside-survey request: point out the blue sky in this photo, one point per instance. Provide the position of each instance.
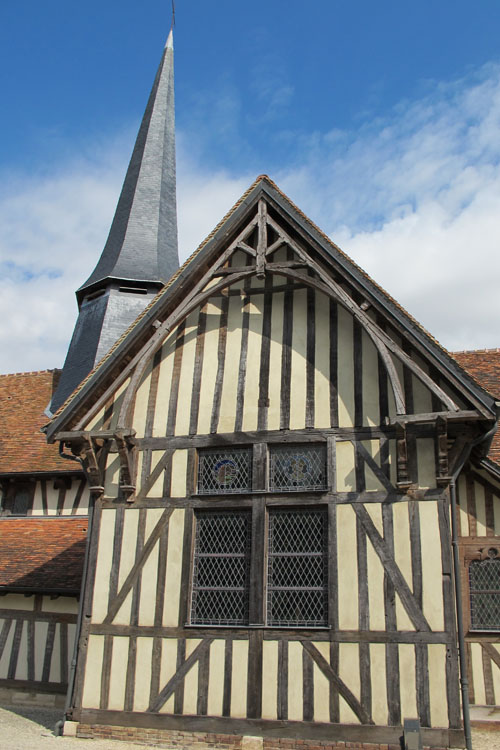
(381, 120)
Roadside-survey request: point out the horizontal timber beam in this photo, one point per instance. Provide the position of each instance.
(272, 634)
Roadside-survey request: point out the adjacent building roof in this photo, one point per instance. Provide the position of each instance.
(484, 366)
(42, 554)
(23, 447)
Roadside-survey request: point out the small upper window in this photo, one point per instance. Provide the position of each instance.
(484, 580)
(298, 467)
(225, 471)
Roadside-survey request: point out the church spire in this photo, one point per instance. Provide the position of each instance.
(142, 242)
(141, 252)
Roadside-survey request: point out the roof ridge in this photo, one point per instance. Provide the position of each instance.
(476, 351)
(29, 372)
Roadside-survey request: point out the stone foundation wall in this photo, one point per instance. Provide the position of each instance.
(208, 741)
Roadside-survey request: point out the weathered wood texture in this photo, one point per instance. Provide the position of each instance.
(478, 512)
(36, 641)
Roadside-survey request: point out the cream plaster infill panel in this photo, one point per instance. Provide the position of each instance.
(149, 574)
(103, 566)
(174, 568)
(275, 356)
(349, 674)
(322, 362)
(178, 486)
(321, 685)
(209, 367)
(295, 681)
(216, 678)
(480, 509)
(22, 656)
(239, 680)
(41, 631)
(185, 395)
(345, 368)
(371, 402)
(437, 685)
(164, 384)
(254, 306)
(432, 571)
(298, 392)
(118, 673)
(347, 567)
(143, 674)
(345, 471)
(270, 679)
(191, 679)
(379, 683)
(141, 401)
(17, 601)
(168, 667)
(407, 680)
(376, 597)
(93, 671)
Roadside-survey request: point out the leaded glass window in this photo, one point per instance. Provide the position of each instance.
(298, 467)
(221, 573)
(484, 580)
(224, 471)
(297, 568)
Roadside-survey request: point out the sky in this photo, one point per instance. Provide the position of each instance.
(381, 121)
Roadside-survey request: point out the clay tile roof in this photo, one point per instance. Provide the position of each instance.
(484, 366)
(42, 554)
(23, 448)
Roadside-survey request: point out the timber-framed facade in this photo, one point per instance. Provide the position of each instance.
(270, 342)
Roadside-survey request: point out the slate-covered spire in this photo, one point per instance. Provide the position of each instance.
(142, 242)
(141, 253)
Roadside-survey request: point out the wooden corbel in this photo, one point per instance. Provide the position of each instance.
(127, 451)
(88, 451)
(443, 477)
(403, 479)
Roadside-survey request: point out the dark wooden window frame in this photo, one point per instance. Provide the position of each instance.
(9, 498)
(474, 549)
(257, 604)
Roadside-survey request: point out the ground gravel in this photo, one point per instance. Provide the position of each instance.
(23, 728)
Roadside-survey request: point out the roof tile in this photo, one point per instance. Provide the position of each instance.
(40, 554)
(23, 447)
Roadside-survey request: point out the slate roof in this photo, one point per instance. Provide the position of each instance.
(42, 554)
(142, 242)
(484, 366)
(23, 447)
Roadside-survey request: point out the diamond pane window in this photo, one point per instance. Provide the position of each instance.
(484, 579)
(225, 471)
(297, 568)
(298, 467)
(221, 573)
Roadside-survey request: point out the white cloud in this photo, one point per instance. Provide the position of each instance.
(414, 199)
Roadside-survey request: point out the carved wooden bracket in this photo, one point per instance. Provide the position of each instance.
(127, 452)
(403, 479)
(443, 477)
(88, 450)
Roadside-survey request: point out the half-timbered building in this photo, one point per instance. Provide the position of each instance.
(294, 528)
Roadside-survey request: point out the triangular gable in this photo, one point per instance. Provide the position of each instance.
(263, 221)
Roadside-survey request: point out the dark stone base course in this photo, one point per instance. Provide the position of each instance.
(204, 733)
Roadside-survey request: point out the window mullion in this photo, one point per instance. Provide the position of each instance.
(256, 613)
